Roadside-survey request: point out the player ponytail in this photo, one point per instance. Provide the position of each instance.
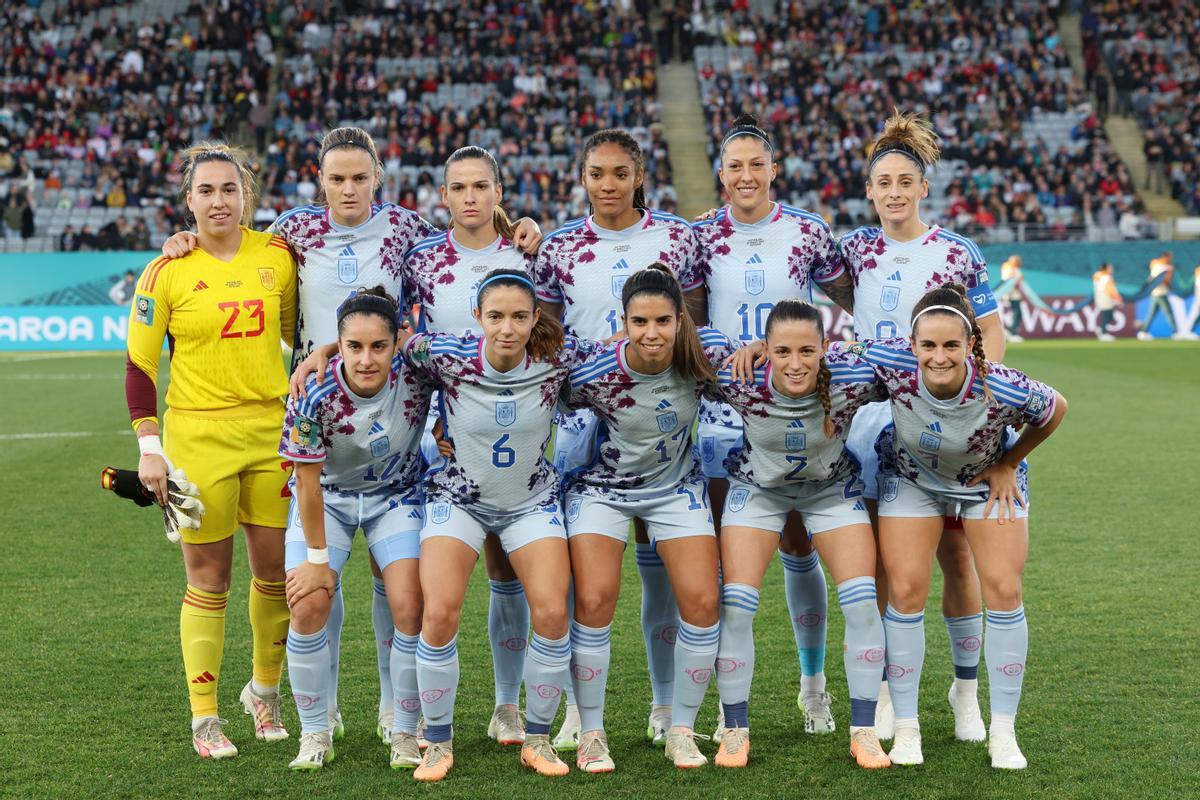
(546, 338)
(746, 127)
(798, 311)
(350, 137)
(910, 135)
(203, 152)
(627, 143)
(500, 218)
(951, 300)
(375, 301)
(687, 355)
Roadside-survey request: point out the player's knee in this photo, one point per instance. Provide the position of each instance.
(906, 594)
(1002, 594)
(549, 618)
(407, 609)
(439, 622)
(699, 608)
(310, 612)
(594, 605)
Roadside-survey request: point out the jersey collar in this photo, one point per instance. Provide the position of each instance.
(624, 233)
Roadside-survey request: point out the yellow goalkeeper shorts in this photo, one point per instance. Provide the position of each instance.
(233, 458)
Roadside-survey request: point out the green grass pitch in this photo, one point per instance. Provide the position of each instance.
(92, 703)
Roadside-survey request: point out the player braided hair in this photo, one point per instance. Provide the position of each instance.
(687, 355)
(350, 137)
(203, 152)
(910, 135)
(627, 143)
(546, 338)
(790, 310)
(954, 296)
(746, 127)
(374, 300)
(500, 219)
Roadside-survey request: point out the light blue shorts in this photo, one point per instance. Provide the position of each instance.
(390, 522)
(824, 507)
(674, 514)
(900, 497)
(515, 530)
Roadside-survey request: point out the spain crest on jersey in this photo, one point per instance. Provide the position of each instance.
(347, 266)
(266, 276)
(756, 281)
(506, 413)
(738, 498)
(794, 441)
(929, 442)
(618, 285)
(889, 298)
(708, 448)
(668, 422)
(380, 447)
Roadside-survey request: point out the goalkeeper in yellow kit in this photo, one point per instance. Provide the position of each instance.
(224, 309)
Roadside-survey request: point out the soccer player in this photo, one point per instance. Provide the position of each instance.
(1010, 270)
(1107, 298)
(226, 308)
(580, 272)
(1160, 296)
(355, 441)
(443, 273)
(345, 241)
(498, 399)
(645, 390)
(753, 252)
(797, 412)
(893, 266)
(950, 407)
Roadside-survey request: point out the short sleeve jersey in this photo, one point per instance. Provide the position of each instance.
(942, 445)
(785, 443)
(443, 276)
(365, 444)
(333, 260)
(644, 442)
(748, 267)
(584, 267)
(224, 321)
(890, 277)
(498, 422)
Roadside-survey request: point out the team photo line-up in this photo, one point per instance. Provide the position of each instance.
(627, 375)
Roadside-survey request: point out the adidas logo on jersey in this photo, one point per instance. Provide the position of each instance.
(663, 404)
(414, 514)
(935, 426)
(754, 259)
(622, 264)
(506, 393)
(895, 276)
(200, 285)
(795, 424)
(347, 251)
(376, 428)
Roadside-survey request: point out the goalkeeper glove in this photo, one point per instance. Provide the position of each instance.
(183, 508)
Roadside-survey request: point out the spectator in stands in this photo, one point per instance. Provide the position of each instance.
(68, 240)
(1107, 298)
(123, 290)
(18, 216)
(1160, 295)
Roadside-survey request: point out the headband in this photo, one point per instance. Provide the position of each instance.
(746, 130)
(903, 150)
(505, 276)
(359, 145)
(367, 302)
(951, 309)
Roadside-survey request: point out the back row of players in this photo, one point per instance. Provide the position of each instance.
(638, 372)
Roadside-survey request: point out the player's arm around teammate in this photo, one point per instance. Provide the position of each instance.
(950, 408)
(797, 410)
(498, 398)
(646, 391)
(354, 441)
(225, 309)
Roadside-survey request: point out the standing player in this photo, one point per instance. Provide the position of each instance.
(498, 398)
(752, 253)
(354, 441)
(893, 266)
(442, 274)
(951, 406)
(346, 241)
(225, 308)
(1010, 270)
(797, 411)
(1160, 296)
(646, 391)
(580, 273)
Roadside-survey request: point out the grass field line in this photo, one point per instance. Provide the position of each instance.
(62, 376)
(46, 356)
(8, 437)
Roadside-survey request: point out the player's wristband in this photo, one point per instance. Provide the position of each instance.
(150, 445)
(318, 555)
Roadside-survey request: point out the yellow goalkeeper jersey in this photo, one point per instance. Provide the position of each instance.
(224, 322)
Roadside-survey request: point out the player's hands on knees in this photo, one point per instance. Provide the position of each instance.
(443, 445)
(308, 578)
(1002, 488)
(745, 360)
(316, 362)
(180, 244)
(152, 472)
(527, 236)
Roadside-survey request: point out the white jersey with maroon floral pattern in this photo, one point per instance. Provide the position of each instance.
(365, 444)
(785, 443)
(443, 275)
(333, 260)
(941, 445)
(584, 267)
(644, 442)
(890, 277)
(498, 422)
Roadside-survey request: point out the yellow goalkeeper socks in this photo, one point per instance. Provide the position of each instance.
(269, 623)
(202, 633)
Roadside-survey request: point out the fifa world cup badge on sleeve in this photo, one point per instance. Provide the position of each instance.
(145, 309)
(420, 351)
(304, 432)
(266, 276)
(1037, 404)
